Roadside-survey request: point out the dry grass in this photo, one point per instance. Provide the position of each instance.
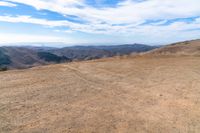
(127, 95)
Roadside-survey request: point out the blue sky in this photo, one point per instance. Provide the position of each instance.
(99, 21)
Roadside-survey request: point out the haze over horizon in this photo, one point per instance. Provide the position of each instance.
(99, 21)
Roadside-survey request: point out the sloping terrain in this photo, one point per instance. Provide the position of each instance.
(96, 52)
(4, 59)
(187, 48)
(25, 57)
(22, 57)
(128, 94)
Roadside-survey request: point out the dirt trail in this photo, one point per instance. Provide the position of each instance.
(116, 95)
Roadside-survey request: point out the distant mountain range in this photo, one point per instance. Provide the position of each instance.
(25, 57)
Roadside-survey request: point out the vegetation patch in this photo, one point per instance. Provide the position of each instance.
(52, 57)
(4, 59)
(3, 68)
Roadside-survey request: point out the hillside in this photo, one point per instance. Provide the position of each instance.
(129, 94)
(21, 57)
(25, 57)
(187, 48)
(4, 59)
(96, 52)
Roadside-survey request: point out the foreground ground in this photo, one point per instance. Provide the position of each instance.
(117, 95)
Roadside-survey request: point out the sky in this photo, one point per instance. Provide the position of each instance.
(69, 22)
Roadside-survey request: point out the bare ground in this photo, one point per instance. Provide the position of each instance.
(116, 95)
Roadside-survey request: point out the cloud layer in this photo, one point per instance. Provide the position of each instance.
(3, 3)
(146, 18)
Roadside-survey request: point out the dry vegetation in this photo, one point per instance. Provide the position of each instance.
(118, 95)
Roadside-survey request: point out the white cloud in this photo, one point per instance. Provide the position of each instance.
(126, 11)
(73, 26)
(3, 3)
(124, 19)
(105, 28)
(19, 38)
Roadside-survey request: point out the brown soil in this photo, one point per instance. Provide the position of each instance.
(116, 95)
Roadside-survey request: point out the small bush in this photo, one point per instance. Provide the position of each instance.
(4, 59)
(3, 68)
(52, 57)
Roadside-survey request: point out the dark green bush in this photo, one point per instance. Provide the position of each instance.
(4, 59)
(3, 68)
(51, 57)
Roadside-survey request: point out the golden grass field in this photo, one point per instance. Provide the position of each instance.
(132, 94)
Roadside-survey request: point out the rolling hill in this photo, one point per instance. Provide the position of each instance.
(147, 93)
(187, 48)
(25, 57)
(96, 52)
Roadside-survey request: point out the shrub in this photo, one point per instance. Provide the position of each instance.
(4, 59)
(3, 68)
(51, 57)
